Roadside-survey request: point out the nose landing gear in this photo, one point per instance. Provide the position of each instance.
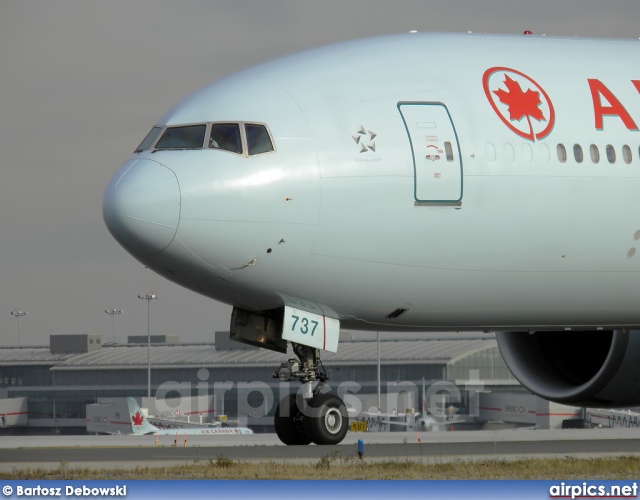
(289, 422)
(328, 420)
(312, 416)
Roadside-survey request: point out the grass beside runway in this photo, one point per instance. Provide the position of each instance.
(351, 467)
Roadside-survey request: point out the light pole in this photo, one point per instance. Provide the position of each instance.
(113, 313)
(378, 342)
(18, 314)
(148, 297)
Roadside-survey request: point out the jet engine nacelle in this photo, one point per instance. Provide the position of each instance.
(579, 368)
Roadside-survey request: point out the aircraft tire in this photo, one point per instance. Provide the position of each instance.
(328, 420)
(288, 427)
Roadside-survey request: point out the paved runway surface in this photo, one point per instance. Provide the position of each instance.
(132, 451)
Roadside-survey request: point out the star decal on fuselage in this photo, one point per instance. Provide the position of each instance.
(360, 138)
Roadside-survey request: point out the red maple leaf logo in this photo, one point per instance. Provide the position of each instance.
(532, 104)
(520, 103)
(137, 418)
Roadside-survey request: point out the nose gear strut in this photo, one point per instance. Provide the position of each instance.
(311, 416)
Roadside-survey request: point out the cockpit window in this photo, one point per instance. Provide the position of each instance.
(247, 139)
(151, 136)
(226, 136)
(189, 137)
(258, 139)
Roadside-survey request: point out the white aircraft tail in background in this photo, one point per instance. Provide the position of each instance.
(427, 422)
(140, 425)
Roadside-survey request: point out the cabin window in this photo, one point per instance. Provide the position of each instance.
(189, 137)
(595, 153)
(148, 141)
(490, 151)
(562, 153)
(543, 152)
(611, 153)
(226, 136)
(509, 152)
(577, 153)
(626, 154)
(258, 140)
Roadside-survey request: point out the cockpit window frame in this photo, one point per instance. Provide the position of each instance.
(266, 127)
(240, 134)
(155, 132)
(207, 135)
(182, 125)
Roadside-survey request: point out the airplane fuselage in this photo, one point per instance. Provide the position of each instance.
(421, 174)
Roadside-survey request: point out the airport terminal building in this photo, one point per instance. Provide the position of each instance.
(60, 380)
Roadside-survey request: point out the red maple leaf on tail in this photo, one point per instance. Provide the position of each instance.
(137, 418)
(521, 104)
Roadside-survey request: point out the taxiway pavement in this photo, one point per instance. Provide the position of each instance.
(20, 452)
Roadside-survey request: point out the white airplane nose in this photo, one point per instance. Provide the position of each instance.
(141, 206)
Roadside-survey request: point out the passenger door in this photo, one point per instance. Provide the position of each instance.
(437, 161)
